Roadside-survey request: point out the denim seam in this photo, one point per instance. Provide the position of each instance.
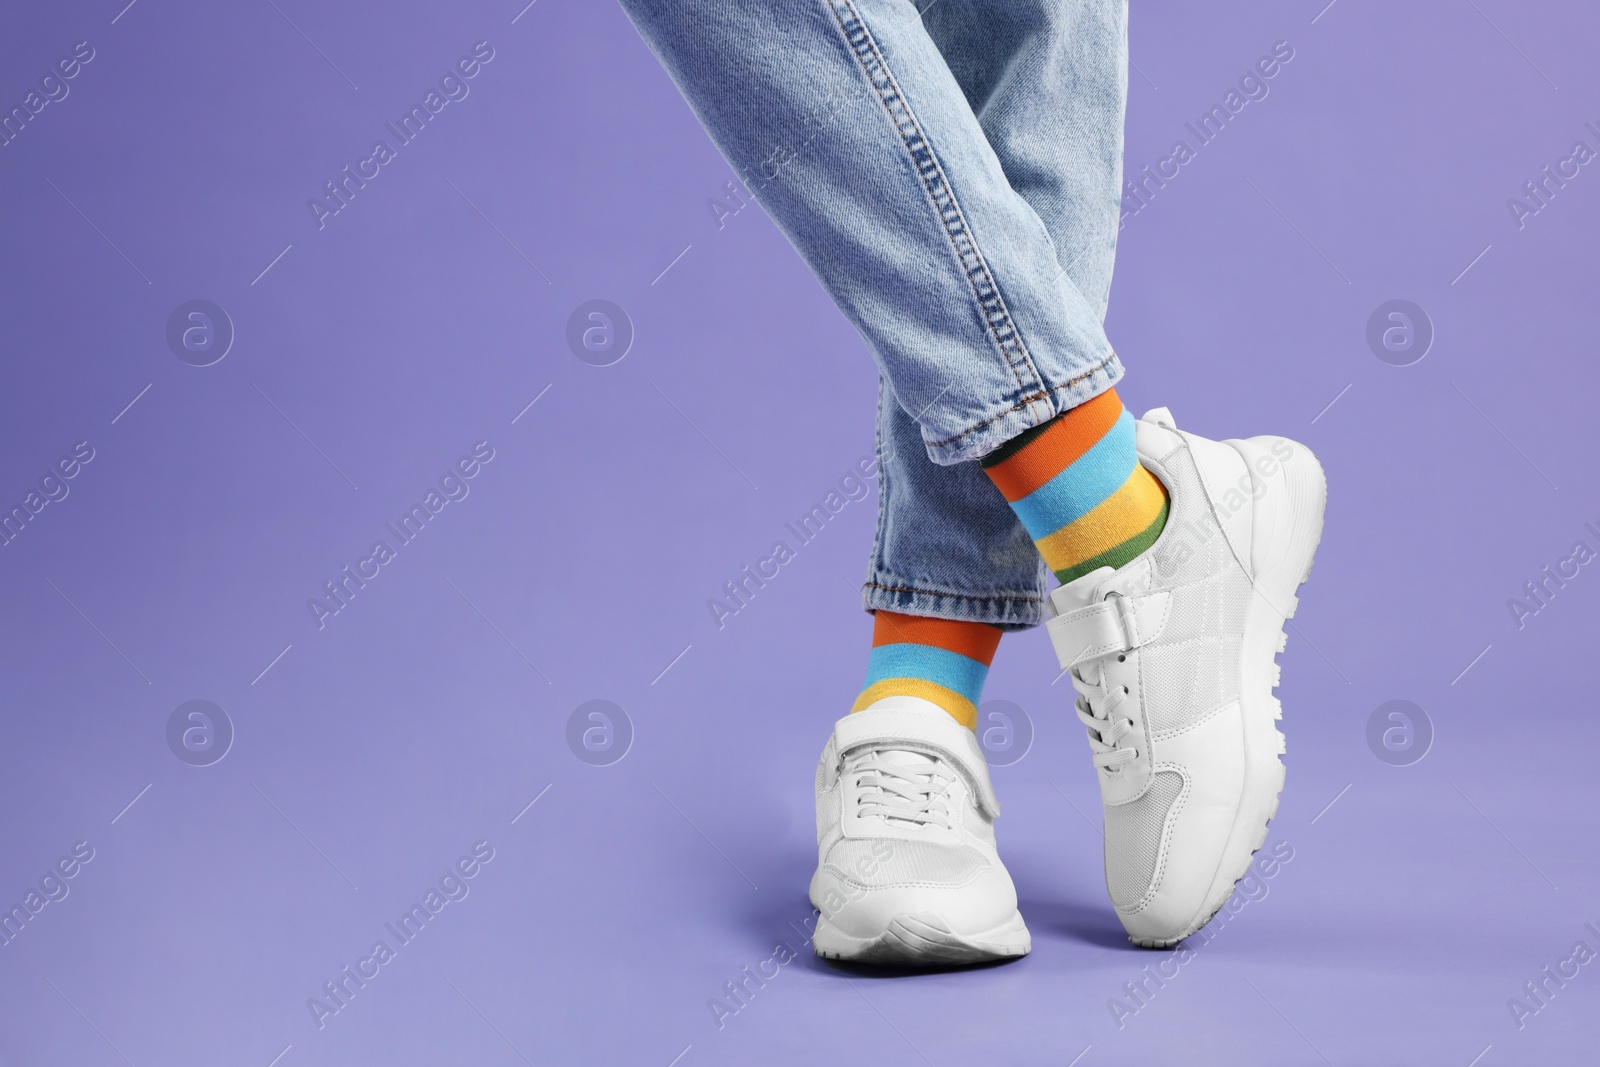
(880, 537)
(1002, 330)
(957, 596)
(1028, 400)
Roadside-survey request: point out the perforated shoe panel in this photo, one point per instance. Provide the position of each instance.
(1185, 681)
(1133, 838)
(887, 861)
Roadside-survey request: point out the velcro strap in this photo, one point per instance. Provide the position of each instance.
(1115, 624)
(914, 730)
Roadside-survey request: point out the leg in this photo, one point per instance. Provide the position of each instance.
(849, 127)
(1181, 718)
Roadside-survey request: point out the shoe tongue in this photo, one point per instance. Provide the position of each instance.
(905, 757)
(894, 757)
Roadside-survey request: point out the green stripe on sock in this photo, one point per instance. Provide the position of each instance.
(1122, 554)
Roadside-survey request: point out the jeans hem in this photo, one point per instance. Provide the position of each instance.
(1009, 611)
(1026, 413)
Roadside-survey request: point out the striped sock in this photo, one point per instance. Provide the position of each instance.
(1077, 485)
(941, 660)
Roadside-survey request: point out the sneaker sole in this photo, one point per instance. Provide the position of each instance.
(923, 940)
(1293, 525)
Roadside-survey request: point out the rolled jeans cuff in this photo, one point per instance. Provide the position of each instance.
(1008, 610)
(1012, 415)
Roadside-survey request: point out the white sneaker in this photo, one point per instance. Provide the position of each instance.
(1172, 656)
(907, 871)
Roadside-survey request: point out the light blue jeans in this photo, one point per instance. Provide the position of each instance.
(953, 177)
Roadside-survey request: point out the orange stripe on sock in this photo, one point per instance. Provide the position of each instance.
(1064, 439)
(975, 640)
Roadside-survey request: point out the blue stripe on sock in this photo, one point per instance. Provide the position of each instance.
(1083, 485)
(952, 670)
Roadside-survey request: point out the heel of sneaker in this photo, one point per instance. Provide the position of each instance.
(1288, 516)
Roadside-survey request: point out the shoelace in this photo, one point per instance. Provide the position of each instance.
(1096, 706)
(913, 792)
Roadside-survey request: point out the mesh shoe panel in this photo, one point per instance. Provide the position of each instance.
(1184, 681)
(1133, 838)
(898, 862)
(1216, 605)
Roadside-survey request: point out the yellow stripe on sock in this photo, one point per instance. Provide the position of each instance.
(960, 708)
(1121, 515)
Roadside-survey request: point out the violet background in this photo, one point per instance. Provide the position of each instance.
(427, 714)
